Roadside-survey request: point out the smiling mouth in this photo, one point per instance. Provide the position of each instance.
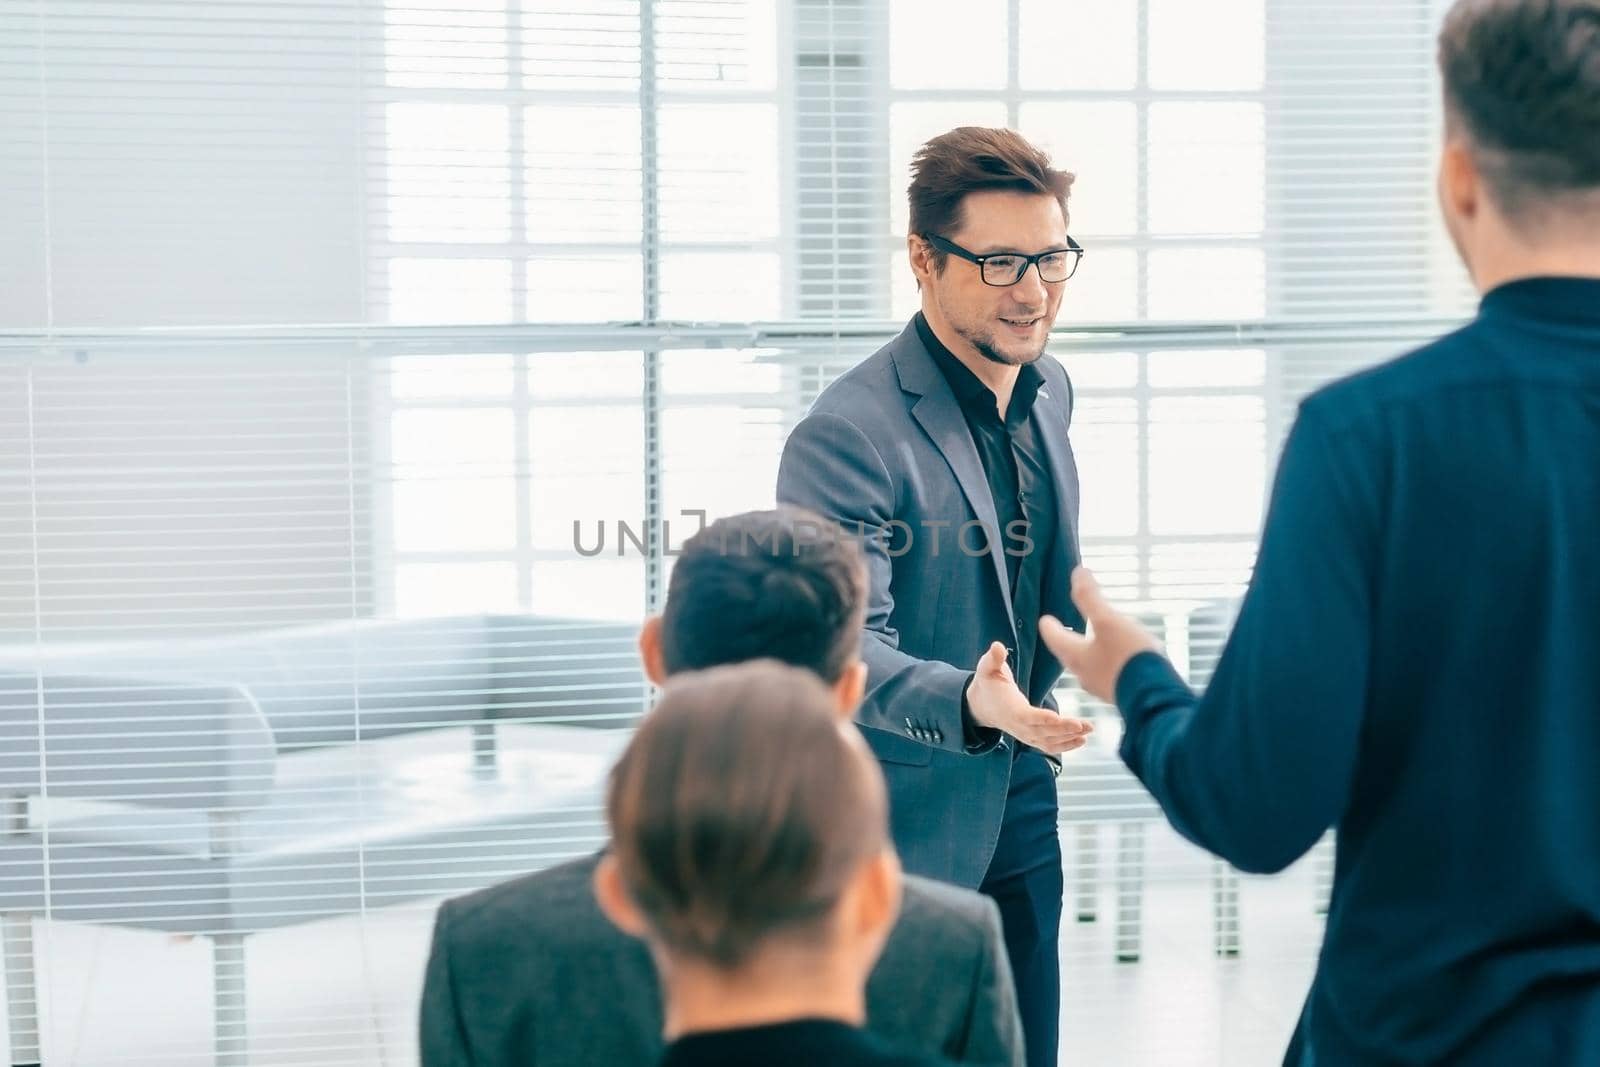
(1022, 324)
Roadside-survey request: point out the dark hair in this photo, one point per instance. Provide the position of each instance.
(972, 159)
(741, 809)
(1522, 80)
(784, 584)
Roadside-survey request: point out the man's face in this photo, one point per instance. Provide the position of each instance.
(1007, 325)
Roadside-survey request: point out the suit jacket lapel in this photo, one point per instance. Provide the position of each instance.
(1053, 430)
(937, 412)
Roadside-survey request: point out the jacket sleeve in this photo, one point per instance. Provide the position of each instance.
(441, 1029)
(994, 1027)
(830, 467)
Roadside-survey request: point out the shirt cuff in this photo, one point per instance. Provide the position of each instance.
(1144, 677)
(975, 739)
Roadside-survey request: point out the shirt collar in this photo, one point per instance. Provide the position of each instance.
(1575, 300)
(969, 389)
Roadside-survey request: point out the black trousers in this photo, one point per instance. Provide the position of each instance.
(1024, 879)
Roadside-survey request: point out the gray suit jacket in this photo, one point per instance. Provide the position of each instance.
(529, 973)
(886, 452)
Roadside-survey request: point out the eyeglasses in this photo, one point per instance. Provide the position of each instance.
(1007, 268)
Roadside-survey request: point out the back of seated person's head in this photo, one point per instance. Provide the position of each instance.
(784, 584)
(750, 834)
(1521, 162)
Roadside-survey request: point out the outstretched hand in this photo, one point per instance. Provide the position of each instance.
(995, 701)
(1096, 658)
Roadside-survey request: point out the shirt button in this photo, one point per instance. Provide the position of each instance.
(1022, 496)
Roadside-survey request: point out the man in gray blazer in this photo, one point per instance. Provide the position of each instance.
(946, 452)
(529, 972)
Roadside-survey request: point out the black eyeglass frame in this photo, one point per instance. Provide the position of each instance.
(946, 245)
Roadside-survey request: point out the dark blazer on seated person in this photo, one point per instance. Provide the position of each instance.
(798, 1043)
(529, 973)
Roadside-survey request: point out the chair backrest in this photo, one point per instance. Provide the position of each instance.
(325, 684)
(574, 671)
(335, 683)
(1209, 627)
(331, 684)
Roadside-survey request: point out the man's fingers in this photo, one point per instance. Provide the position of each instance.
(1051, 723)
(1058, 746)
(1045, 719)
(1086, 594)
(993, 664)
(1071, 744)
(1066, 645)
(1046, 725)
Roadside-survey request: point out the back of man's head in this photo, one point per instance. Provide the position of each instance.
(784, 585)
(1522, 86)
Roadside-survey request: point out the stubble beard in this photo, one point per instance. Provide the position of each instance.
(985, 346)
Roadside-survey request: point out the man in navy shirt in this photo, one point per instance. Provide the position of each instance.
(1417, 660)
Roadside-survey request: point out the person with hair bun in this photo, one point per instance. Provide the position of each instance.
(750, 851)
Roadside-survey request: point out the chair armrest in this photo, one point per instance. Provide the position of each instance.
(133, 740)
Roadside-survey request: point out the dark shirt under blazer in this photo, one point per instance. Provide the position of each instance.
(1018, 470)
(801, 1043)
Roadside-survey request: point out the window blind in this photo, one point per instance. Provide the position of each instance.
(363, 363)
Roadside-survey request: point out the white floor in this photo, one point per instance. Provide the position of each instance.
(1181, 1006)
(343, 992)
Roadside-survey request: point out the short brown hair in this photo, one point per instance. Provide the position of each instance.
(972, 159)
(785, 584)
(741, 810)
(1522, 80)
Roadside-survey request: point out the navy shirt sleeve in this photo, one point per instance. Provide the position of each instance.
(1261, 765)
